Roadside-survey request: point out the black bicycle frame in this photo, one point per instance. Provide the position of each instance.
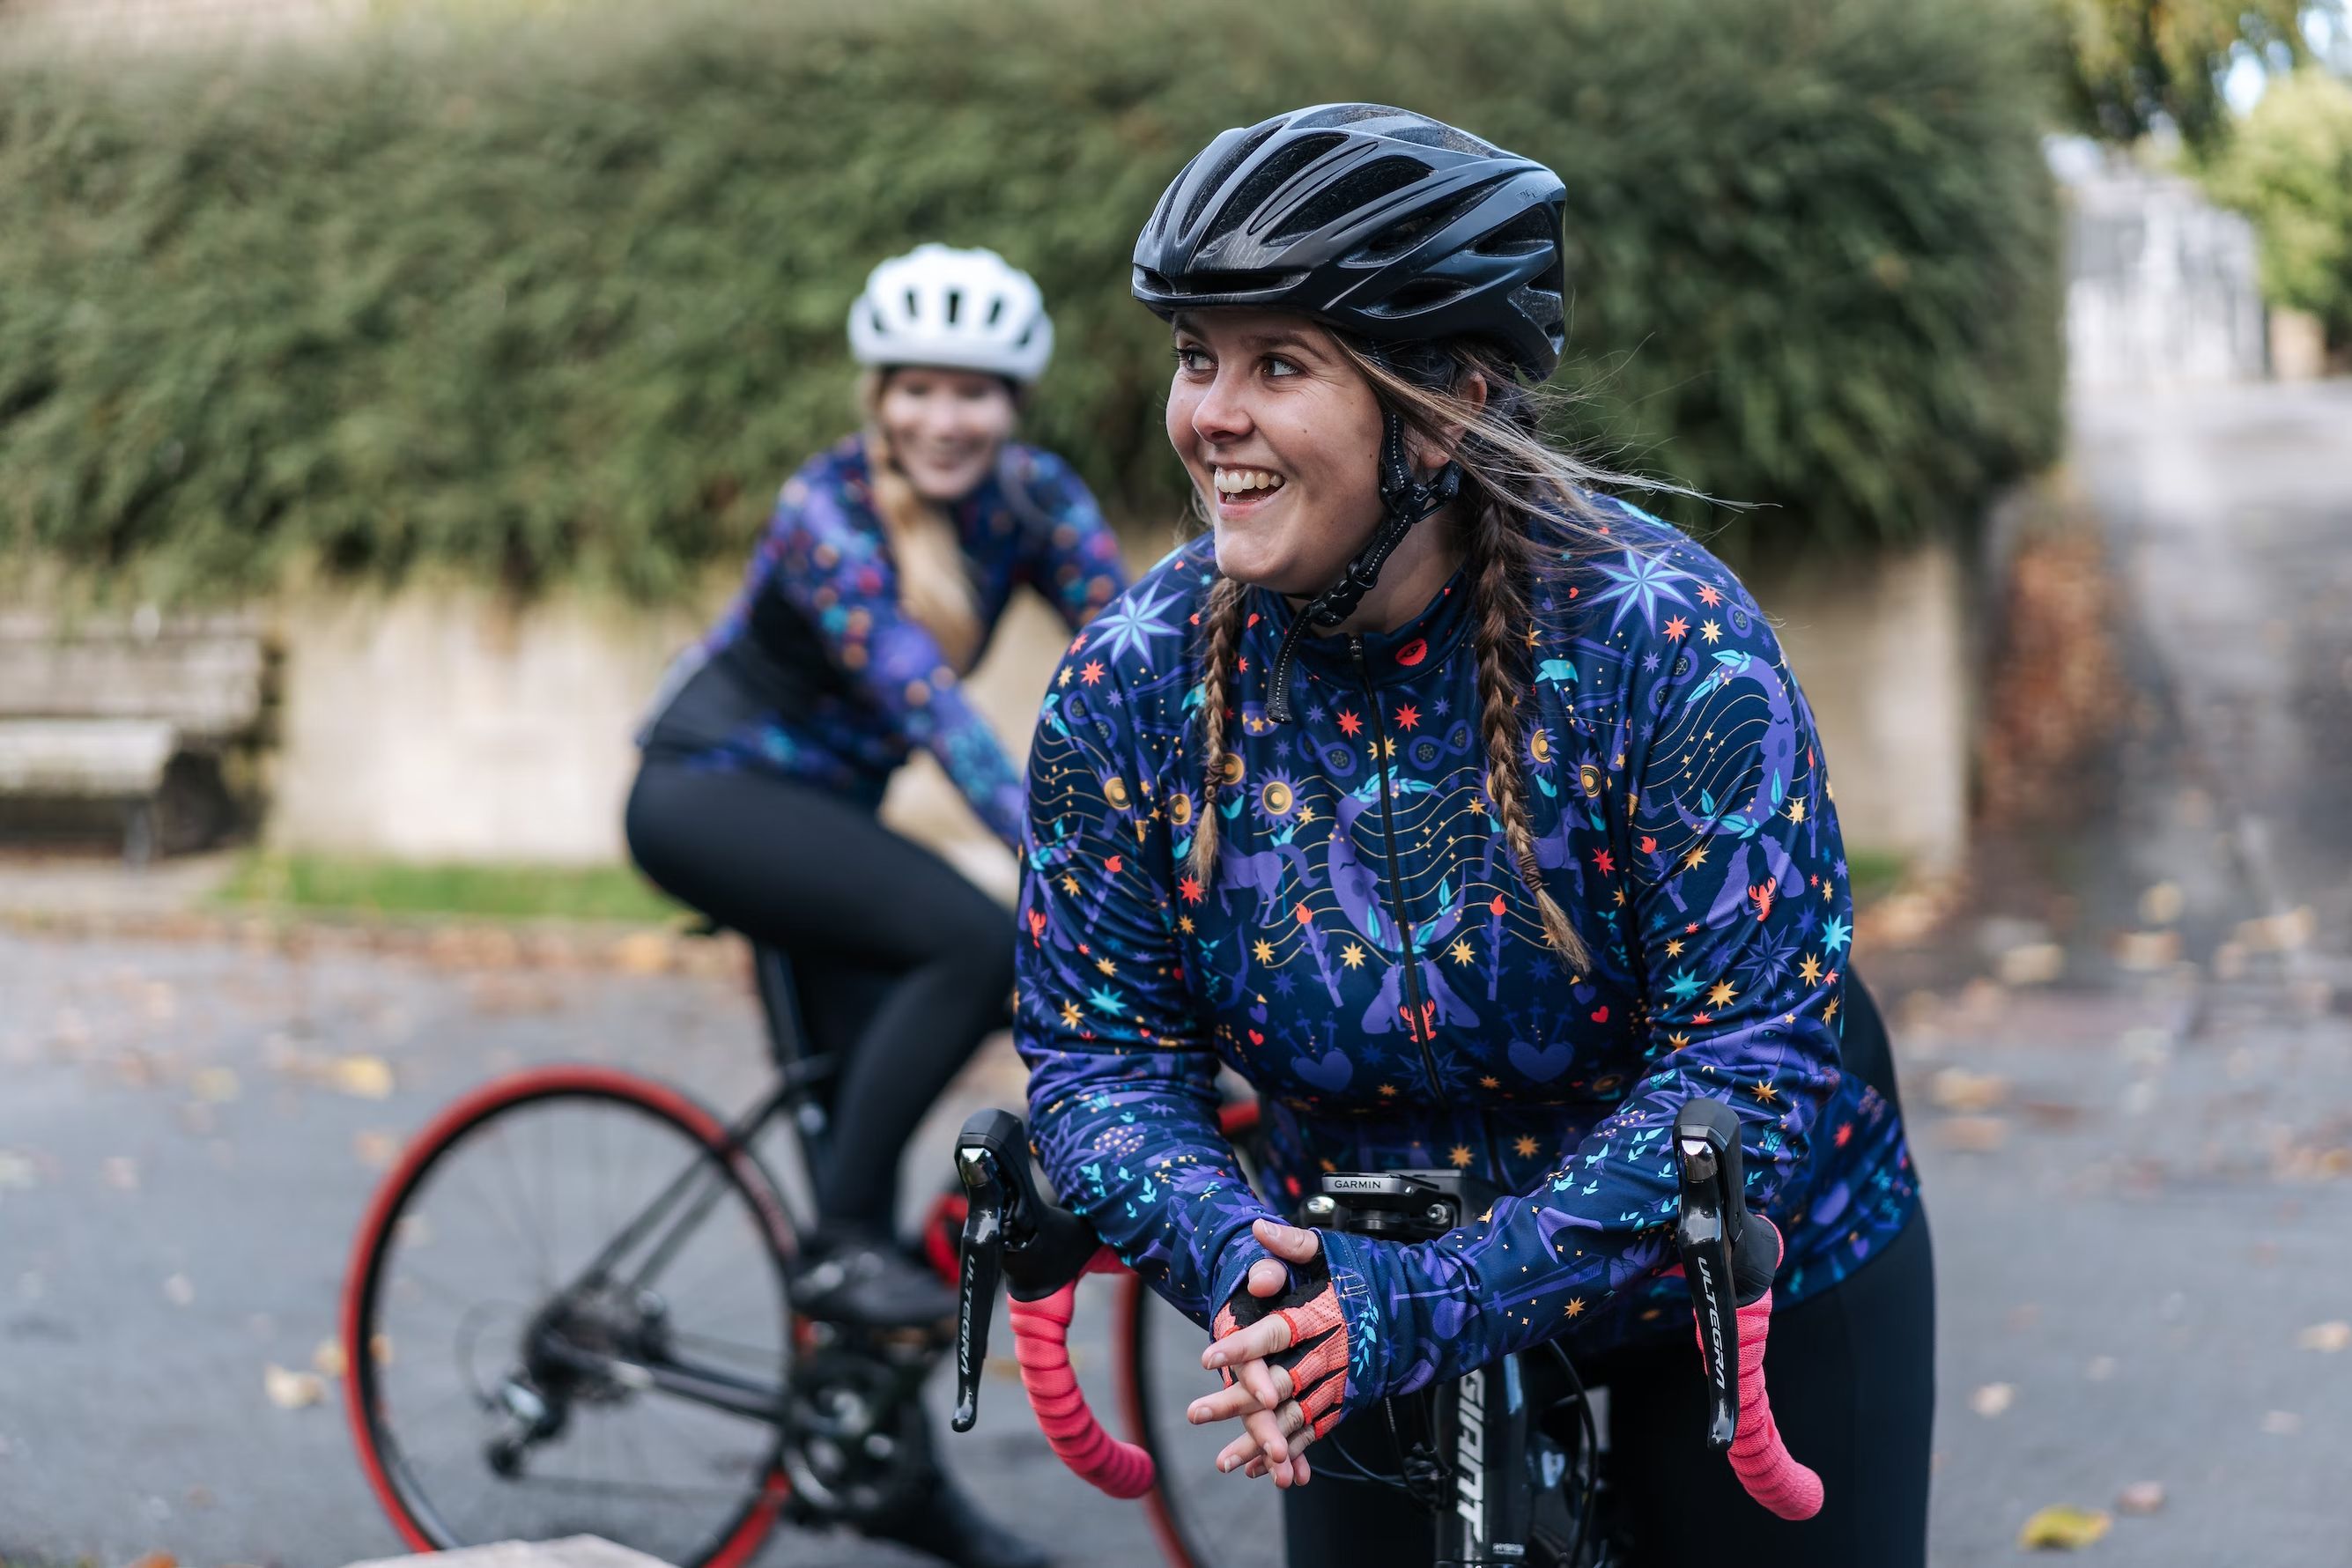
(699, 1187)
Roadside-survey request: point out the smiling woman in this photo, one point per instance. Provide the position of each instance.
(889, 561)
(1495, 830)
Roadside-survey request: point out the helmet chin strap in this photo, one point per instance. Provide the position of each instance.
(1404, 501)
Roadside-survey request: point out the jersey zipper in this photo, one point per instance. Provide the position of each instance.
(1416, 1023)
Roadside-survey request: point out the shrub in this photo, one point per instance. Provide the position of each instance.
(571, 306)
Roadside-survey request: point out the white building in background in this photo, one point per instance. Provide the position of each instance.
(2162, 287)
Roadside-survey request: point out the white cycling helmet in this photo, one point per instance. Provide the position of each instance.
(965, 309)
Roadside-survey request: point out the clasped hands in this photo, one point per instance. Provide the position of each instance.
(1282, 1351)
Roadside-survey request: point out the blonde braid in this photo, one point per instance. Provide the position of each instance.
(1221, 620)
(1499, 566)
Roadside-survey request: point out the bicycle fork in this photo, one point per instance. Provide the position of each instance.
(1490, 1521)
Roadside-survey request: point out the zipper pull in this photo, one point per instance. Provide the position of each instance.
(1356, 650)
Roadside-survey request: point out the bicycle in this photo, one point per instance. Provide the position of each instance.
(1488, 1458)
(568, 1308)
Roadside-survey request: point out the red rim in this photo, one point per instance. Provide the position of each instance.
(421, 1150)
(1134, 1297)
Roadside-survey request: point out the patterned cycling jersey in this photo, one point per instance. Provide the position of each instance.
(1365, 954)
(818, 674)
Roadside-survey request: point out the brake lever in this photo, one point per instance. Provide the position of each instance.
(977, 1166)
(1012, 1235)
(1706, 1149)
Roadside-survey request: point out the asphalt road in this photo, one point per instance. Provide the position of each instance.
(2140, 1179)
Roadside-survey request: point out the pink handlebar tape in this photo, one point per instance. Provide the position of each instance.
(1759, 1458)
(1041, 1343)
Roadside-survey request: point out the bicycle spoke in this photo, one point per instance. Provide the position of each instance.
(535, 1230)
(513, 1212)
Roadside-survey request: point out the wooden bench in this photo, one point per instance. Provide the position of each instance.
(128, 718)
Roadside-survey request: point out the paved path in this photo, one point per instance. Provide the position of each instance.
(2135, 1226)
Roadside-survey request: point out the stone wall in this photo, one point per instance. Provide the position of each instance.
(442, 725)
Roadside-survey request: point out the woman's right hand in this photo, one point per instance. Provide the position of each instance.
(1282, 1349)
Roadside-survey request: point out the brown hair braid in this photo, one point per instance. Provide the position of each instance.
(1499, 570)
(1222, 624)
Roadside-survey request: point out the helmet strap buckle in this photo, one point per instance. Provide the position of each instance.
(1405, 500)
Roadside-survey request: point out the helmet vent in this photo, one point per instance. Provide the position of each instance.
(1275, 173)
(1420, 294)
(1354, 191)
(1210, 184)
(1532, 231)
(955, 305)
(1400, 237)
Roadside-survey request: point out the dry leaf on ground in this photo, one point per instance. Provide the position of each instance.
(1993, 1399)
(368, 1078)
(216, 1085)
(2064, 1528)
(292, 1390)
(2032, 964)
(328, 1360)
(2326, 1337)
(1974, 1134)
(2141, 1496)
(1957, 1089)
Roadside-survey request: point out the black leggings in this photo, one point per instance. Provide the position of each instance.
(1853, 1378)
(902, 966)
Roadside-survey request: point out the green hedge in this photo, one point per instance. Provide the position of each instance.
(564, 298)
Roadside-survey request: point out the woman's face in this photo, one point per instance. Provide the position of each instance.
(1282, 436)
(944, 427)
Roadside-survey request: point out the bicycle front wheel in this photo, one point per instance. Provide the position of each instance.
(1203, 1520)
(566, 1314)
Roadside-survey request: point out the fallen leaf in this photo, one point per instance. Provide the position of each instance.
(2140, 1497)
(216, 1085)
(329, 1361)
(1957, 1089)
(2326, 1337)
(2033, 964)
(2146, 952)
(368, 1078)
(2064, 1528)
(2281, 1423)
(380, 1349)
(157, 1560)
(292, 1390)
(2279, 933)
(2161, 904)
(1993, 1399)
(642, 952)
(1974, 1134)
(179, 1290)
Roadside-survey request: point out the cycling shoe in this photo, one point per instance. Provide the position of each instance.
(870, 1283)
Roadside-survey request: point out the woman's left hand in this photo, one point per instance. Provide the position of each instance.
(1287, 1365)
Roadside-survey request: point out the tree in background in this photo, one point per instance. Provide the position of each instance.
(2137, 63)
(2289, 168)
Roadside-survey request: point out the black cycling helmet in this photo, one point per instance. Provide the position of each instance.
(1384, 224)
